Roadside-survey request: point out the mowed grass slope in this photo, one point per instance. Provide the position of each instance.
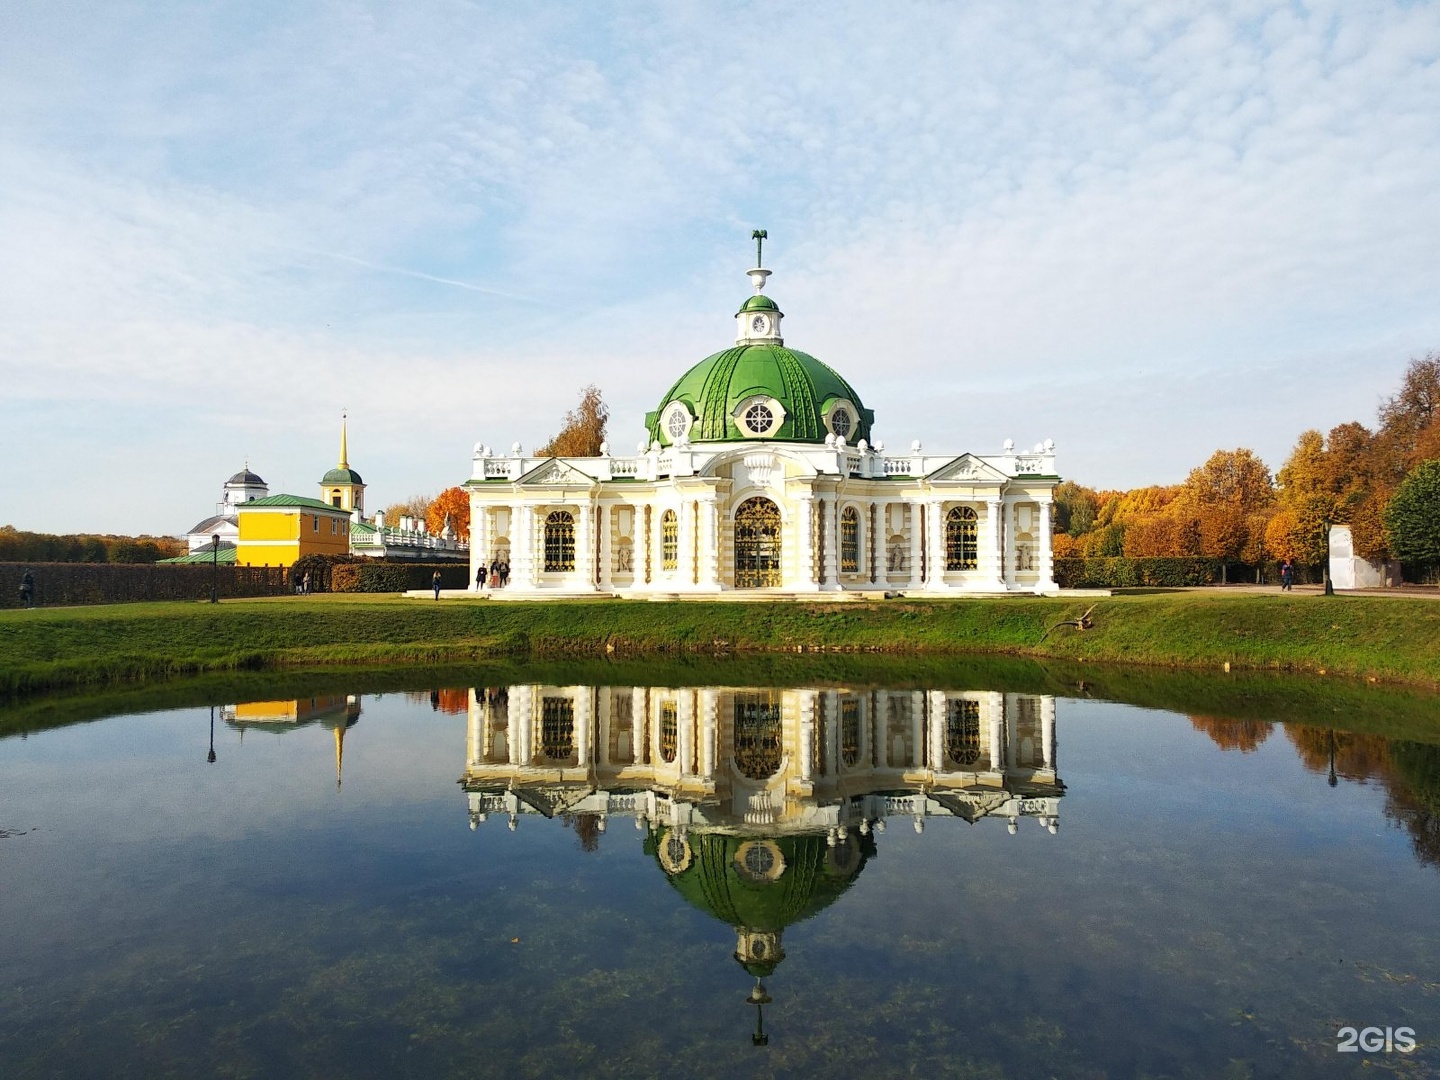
(1393, 638)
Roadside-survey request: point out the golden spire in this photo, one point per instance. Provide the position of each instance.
(344, 454)
(339, 752)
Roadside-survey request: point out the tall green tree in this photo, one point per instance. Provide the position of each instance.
(1413, 516)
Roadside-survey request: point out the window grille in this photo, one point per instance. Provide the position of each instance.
(840, 422)
(559, 542)
(850, 732)
(759, 419)
(757, 735)
(962, 732)
(557, 728)
(669, 541)
(669, 729)
(850, 541)
(757, 544)
(962, 547)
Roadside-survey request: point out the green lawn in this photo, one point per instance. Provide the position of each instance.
(1388, 638)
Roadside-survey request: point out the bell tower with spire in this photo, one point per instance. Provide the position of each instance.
(342, 486)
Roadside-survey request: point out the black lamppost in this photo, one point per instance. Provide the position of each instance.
(211, 756)
(759, 998)
(215, 569)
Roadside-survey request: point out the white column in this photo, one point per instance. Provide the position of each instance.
(603, 514)
(685, 542)
(584, 720)
(934, 548)
(805, 544)
(585, 563)
(916, 518)
(831, 719)
(882, 728)
(1047, 559)
(479, 531)
(1012, 729)
(708, 710)
(685, 736)
(1047, 730)
(1008, 543)
(994, 557)
(522, 721)
(640, 724)
(475, 730)
(806, 702)
(936, 703)
(823, 569)
(997, 734)
(917, 728)
(709, 544)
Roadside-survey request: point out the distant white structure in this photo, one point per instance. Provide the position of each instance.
(1349, 571)
(241, 488)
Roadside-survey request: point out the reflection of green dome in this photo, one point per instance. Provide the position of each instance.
(341, 476)
(714, 880)
(713, 389)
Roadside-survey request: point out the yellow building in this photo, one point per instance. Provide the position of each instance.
(279, 529)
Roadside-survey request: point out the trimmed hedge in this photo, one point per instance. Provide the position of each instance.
(66, 583)
(368, 576)
(1120, 573)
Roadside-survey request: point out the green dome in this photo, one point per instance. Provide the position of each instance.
(713, 389)
(813, 878)
(342, 476)
(759, 302)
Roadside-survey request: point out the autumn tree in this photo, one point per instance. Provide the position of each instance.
(415, 507)
(1222, 496)
(583, 430)
(1414, 411)
(1413, 516)
(451, 505)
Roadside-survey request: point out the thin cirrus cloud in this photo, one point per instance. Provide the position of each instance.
(1143, 230)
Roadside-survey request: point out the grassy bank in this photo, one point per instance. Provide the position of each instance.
(1392, 639)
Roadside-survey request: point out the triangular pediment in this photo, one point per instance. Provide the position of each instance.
(556, 473)
(968, 469)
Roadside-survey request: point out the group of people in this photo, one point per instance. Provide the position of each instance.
(497, 574)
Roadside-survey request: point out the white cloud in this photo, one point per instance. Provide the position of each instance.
(1097, 222)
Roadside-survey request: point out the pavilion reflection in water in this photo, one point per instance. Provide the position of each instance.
(761, 806)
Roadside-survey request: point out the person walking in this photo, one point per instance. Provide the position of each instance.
(1287, 576)
(504, 572)
(495, 573)
(305, 584)
(27, 588)
(480, 578)
(435, 583)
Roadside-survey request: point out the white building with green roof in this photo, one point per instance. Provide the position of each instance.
(762, 474)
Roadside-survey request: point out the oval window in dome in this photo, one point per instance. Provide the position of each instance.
(840, 422)
(759, 419)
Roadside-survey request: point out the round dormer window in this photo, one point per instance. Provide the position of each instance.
(759, 416)
(841, 419)
(677, 421)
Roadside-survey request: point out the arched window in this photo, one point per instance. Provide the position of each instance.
(669, 730)
(962, 732)
(850, 732)
(840, 422)
(559, 542)
(557, 728)
(669, 541)
(758, 721)
(757, 544)
(850, 540)
(961, 547)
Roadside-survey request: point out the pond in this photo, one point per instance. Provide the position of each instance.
(526, 877)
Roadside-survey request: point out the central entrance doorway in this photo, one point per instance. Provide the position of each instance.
(757, 544)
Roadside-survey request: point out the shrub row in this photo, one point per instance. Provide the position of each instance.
(369, 576)
(66, 583)
(1119, 573)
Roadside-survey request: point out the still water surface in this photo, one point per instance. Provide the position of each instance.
(533, 880)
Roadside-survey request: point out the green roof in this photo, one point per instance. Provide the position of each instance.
(759, 302)
(204, 556)
(811, 880)
(342, 476)
(299, 501)
(714, 388)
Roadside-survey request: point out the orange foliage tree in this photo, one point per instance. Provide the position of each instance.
(452, 505)
(583, 430)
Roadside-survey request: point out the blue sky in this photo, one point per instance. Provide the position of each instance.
(1144, 230)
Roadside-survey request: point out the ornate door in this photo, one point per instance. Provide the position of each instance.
(757, 544)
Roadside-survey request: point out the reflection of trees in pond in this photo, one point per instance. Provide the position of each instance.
(453, 700)
(587, 829)
(1243, 735)
(1409, 772)
(1414, 802)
